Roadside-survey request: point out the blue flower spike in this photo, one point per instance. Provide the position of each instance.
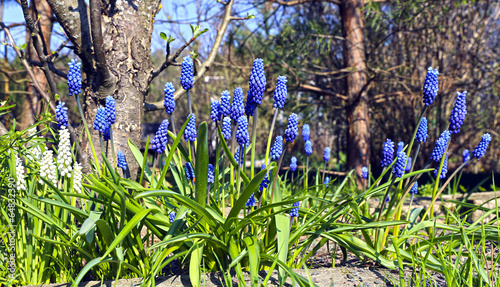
(187, 73)
(480, 150)
(215, 111)
(121, 161)
(74, 78)
(250, 105)
(237, 108)
(293, 164)
(226, 128)
(444, 170)
(292, 130)
(188, 169)
(441, 145)
(110, 110)
(100, 122)
(364, 172)
(242, 135)
(465, 156)
(211, 177)
(387, 153)
(280, 93)
(458, 113)
(265, 182)
(159, 142)
(308, 148)
(169, 101)
(422, 135)
(61, 115)
(171, 216)
(408, 164)
(277, 148)
(225, 104)
(326, 154)
(401, 146)
(431, 86)
(306, 132)
(190, 132)
(414, 189)
(294, 212)
(399, 168)
(257, 81)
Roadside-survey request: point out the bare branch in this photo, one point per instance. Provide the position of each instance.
(170, 60)
(28, 68)
(309, 88)
(208, 62)
(297, 2)
(108, 81)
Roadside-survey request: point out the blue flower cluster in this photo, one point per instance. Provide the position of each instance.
(294, 212)
(74, 78)
(188, 169)
(61, 115)
(110, 110)
(399, 167)
(414, 188)
(480, 150)
(257, 82)
(190, 132)
(306, 132)
(214, 112)
(100, 122)
(187, 72)
(249, 106)
(211, 173)
(422, 135)
(327, 181)
(237, 107)
(431, 86)
(458, 113)
(441, 145)
(280, 93)
(265, 182)
(293, 164)
(326, 154)
(444, 170)
(401, 146)
(172, 216)
(292, 130)
(465, 156)
(242, 136)
(226, 128)
(408, 164)
(364, 172)
(277, 148)
(159, 142)
(169, 102)
(121, 161)
(387, 153)
(225, 104)
(250, 201)
(308, 148)
(237, 155)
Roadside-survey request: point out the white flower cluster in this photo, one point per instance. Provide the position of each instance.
(64, 157)
(77, 177)
(36, 150)
(48, 168)
(19, 174)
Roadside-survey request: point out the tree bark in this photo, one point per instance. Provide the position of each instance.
(356, 83)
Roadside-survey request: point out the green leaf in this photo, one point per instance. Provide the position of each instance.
(195, 263)
(201, 166)
(23, 46)
(163, 36)
(283, 230)
(254, 258)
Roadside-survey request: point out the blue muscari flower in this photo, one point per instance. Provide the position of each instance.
(251, 201)
(110, 110)
(61, 115)
(188, 169)
(237, 155)
(422, 135)
(190, 132)
(308, 148)
(480, 150)
(225, 104)
(414, 188)
(280, 92)
(399, 167)
(100, 122)
(242, 136)
(211, 173)
(294, 212)
(326, 154)
(364, 172)
(226, 128)
(465, 156)
(306, 132)
(388, 198)
(292, 130)
(277, 148)
(159, 142)
(265, 182)
(257, 81)
(171, 217)
(249, 106)
(387, 153)
(444, 170)
(401, 146)
(187, 73)
(408, 164)
(458, 113)
(215, 112)
(121, 161)
(441, 144)
(74, 78)
(237, 107)
(293, 164)
(169, 102)
(106, 135)
(327, 181)
(430, 86)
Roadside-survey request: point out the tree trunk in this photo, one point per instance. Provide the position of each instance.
(38, 8)
(356, 82)
(126, 31)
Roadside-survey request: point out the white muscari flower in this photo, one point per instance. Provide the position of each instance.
(19, 174)
(36, 151)
(48, 168)
(77, 177)
(64, 157)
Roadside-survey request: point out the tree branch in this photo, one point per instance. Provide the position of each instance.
(28, 68)
(309, 88)
(297, 2)
(208, 62)
(170, 59)
(37, 43)
(108, 82)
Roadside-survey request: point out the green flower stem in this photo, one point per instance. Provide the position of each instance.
(107, 147)
(172, 124)
(156, 158)
(383, 205)
(216, 169)
(87, 131)
(277, 171)
(306, 181)
(188, 92)
(380, 177)
(193, 154)
(324, 171)
(112, 145)
(436, 185)
(270, 137)
(254, 140)
(409, 208)
(415, 133)
(101, 142)
(413, 162)
(240, 156)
